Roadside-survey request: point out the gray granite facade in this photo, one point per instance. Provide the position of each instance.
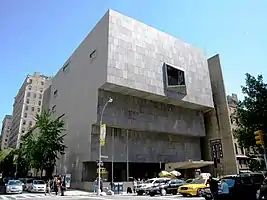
(137, 53)
(146, 147)
(130, 112)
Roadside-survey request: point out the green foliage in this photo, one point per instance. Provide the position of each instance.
(252, 111)
(256, 165)
(40, 147)
(7, 164)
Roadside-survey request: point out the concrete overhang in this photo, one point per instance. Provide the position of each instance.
(176, 100)
(188, 165)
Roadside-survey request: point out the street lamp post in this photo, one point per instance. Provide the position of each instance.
(100, 156)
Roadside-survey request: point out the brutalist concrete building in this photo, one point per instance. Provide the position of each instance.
(168, 104)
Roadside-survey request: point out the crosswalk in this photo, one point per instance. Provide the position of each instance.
(37, 196)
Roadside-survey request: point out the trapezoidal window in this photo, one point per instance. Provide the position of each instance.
(175, 76)
(175, 79)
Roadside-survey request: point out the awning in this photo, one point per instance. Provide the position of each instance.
(188, 165)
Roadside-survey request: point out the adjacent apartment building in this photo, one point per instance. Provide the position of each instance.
(241, 152)
(27, 104)
(5, 132)
(169, 103)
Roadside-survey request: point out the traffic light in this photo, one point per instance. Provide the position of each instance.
(259, 137)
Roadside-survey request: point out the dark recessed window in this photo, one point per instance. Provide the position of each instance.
(26, 108)
(93, 54)
(34, 95)
(39, 103)
(175, 77)
(65, 67)
(54, 108)
(32, 109)
(28, 101)
(55, 93)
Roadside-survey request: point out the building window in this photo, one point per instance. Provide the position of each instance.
(24, 122)
(39, 103)
(38, 109)
(236, 149)
(25, 114)
(54, 108)
(175, 77)
(26, 108)
(30, 123)
(23, 130)
(29, 87)
(34, 95)
(42, 83)
(28, 101)
(93, 54)
(32, 109)
(40, 96)
(55, 93)
(41, 89)
(65, 67)
(28, 94)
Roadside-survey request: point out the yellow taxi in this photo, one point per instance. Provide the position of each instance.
(194, 188)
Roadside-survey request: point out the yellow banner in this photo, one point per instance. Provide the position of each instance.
(103, 135)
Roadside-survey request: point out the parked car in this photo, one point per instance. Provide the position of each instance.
(37, 186)
(14, 186)
(241, 186)
(145, 187)
(167, 187)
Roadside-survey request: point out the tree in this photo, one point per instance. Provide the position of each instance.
(252, 112)
(7, 164)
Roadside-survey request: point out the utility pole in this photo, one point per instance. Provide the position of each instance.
(112, 158)
(101, 137)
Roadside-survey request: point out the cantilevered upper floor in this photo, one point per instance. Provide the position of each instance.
(145, 62)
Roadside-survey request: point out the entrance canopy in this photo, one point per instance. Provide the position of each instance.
(188, 165)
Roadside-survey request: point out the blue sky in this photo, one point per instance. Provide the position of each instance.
(41, 35)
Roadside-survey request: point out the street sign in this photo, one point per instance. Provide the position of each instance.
(103, 135)
(216, 148)
(105, 157)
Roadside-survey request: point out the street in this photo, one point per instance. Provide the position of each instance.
(91, 197)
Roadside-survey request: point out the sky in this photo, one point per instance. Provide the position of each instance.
(41, 35)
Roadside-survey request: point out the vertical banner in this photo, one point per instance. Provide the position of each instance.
(103, 135)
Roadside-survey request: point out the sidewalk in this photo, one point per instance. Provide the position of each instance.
(73, 192)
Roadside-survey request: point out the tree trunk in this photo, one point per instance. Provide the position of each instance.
(41, 173)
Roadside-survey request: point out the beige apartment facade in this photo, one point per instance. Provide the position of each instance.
(168, 100)
(5, 132)
(240, 152)
(27, 104)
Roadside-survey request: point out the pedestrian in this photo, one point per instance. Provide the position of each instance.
(55, 186)
(95, 186)
(134, 185)
(263, 190)
(62, 186)
(224, 194)
(48, 187)
(101, 185)
(213, 187)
